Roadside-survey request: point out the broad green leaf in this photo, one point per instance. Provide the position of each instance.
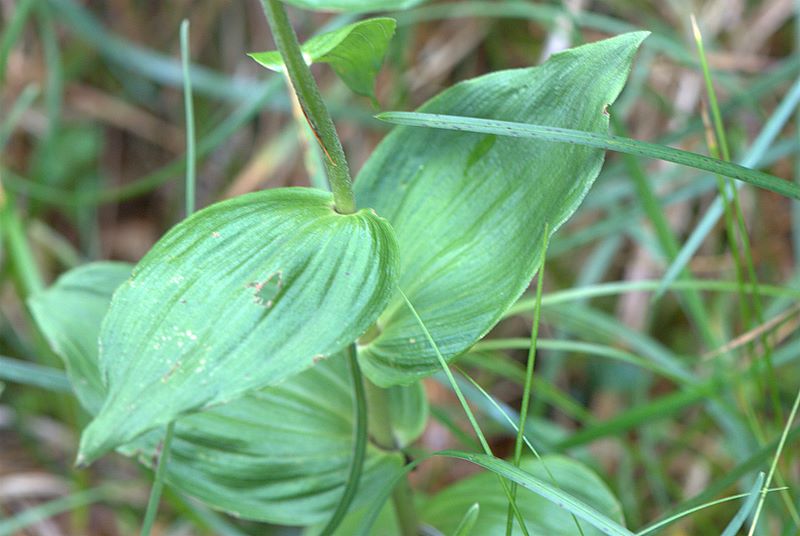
(355, 52)
(242, 295)
(69, 315)
(572, 484)
(280, 454)
(358, 6)
(469, 210)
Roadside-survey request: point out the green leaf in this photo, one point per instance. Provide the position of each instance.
(355, 52)
(280, 454)
(600, 141)
(409, 411)
(358, 6)
(469, 210)
(72, 335)
(241, 295)
(467, 522)
(546, 503)
(251, 457)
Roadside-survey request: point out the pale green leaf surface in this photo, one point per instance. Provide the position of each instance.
(355, 52)
(253, 457)
(241, 295)
(358, 6)
(542, 516)
(408, 408)
(469, 210)
(69, 314)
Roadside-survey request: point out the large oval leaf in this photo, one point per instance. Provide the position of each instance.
(354, 51)
(358, 6)
(280, 454)
(470, 210)
(241, 295)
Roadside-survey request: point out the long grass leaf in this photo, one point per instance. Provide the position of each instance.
(600, 141)
(25, 373)
(747, 506)
(558, 497)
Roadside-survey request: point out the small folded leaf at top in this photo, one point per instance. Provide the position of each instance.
(470, 210)
(355, 52)
(239, 296)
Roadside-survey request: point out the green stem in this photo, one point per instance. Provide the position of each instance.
(312, 105)
(359, 448)
(526, 392)
(158, 484)
(380, 431)
(189, 112)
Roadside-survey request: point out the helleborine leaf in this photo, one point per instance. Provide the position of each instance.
(355, 52)
(542, 516)
(252, 457)
(469, 210)
(239, 296)
(357, 6)
(69, 315)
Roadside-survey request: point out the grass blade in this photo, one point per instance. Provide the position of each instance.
(600, 141)
(741, 516)
(714, 212)
(22, 372)
(558, 497)
(470, 416)
(33, 515)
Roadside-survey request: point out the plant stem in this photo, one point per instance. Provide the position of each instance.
(189, 111)
(380, 430)
(158, 484)
(359, 448)
(312, 105)
(526, 395)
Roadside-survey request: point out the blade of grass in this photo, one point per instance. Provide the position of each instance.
(580, 347)
(13, 29)
(158, 482)
(525, 305)
(599, 141)
(556, 496)
(526, 392)
(765, 138)
(732, 529)
(520, 430)
(470, 416)
(26, 373)
(774, 466)
(681, 515)
(28, 517)
(191, 175)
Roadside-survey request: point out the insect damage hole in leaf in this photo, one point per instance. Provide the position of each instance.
(266, 292)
